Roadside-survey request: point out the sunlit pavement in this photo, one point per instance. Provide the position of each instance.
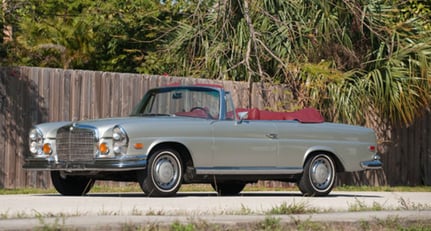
(21, 211)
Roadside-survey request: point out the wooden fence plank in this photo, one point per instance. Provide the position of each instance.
(105, 92)
(115, 94)
(97, 95)
(3, 127)
(427, 155)
(126, 95)
(12, 112)
(21, 129)
(64, 95)
(425, 158)
(75, 96)
(415, 158)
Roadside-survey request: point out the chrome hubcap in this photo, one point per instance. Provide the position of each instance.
(166, 172)
(321, 173)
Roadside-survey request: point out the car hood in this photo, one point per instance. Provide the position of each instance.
(103, 125)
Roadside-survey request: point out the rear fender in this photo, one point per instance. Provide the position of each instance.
(325, 149)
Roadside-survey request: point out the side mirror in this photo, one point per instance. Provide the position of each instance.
(242, 116)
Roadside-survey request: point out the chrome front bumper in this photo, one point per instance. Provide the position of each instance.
(98, 165)
(375, 163)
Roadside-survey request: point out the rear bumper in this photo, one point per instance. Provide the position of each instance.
(375, 163)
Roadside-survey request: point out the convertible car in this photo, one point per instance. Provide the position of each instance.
(193, 134)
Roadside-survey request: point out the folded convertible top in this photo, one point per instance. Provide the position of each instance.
(306, 115)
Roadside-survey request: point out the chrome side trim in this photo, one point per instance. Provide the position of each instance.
(248, 170)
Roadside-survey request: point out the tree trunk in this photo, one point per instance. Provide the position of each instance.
(7, 29)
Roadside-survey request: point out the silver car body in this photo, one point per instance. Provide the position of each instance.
(220, 145)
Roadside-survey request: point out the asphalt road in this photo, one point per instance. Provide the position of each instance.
(95, 209)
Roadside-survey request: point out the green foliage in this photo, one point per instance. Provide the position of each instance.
(394, 79)
(377, 51)
(362, 62)
(100, 35)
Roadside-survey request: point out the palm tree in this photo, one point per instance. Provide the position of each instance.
(361, 62)
(358, 56)
(4, 24)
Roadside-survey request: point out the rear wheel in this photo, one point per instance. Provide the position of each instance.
(71, 185)
(318, 177)
(164, 174)
(228, 188)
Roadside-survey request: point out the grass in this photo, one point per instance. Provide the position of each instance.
(360, 206)
(384, 188)
(274, 223)
(268, 223)
(294, 208)
(408, 205)
(58, 224)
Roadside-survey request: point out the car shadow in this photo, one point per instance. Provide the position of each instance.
(213, 194)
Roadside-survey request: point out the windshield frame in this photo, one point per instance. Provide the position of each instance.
(148, 100)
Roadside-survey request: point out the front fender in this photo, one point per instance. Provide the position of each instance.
(49, 130)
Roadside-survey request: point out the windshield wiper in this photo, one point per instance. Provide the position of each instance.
(154, 114)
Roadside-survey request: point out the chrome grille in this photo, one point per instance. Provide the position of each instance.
(75, 144)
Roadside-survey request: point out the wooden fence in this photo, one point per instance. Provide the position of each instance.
(408, 160)
(30, 95)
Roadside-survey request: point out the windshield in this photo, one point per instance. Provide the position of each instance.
(190, 102)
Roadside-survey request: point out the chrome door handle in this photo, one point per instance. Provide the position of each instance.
(271, 136)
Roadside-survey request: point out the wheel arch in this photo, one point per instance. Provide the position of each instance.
(339, 167)
(181, 148)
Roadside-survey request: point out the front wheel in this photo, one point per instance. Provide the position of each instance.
(318, 177)
(164, 174)
(69, 185)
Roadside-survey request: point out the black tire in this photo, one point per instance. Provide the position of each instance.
(318, 177)
(228, 188)
(164, 174)
(71, 185)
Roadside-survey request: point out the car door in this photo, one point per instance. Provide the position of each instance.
(246, 147)
(295, 139)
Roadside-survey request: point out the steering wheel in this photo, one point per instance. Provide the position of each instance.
(202, 109)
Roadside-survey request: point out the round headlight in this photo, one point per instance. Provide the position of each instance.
(36, 141)
(118, 134)
(35, 147)
(120, 139)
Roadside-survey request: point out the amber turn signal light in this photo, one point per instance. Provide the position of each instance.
(103, 148)
(138, 145)
(47, 148)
